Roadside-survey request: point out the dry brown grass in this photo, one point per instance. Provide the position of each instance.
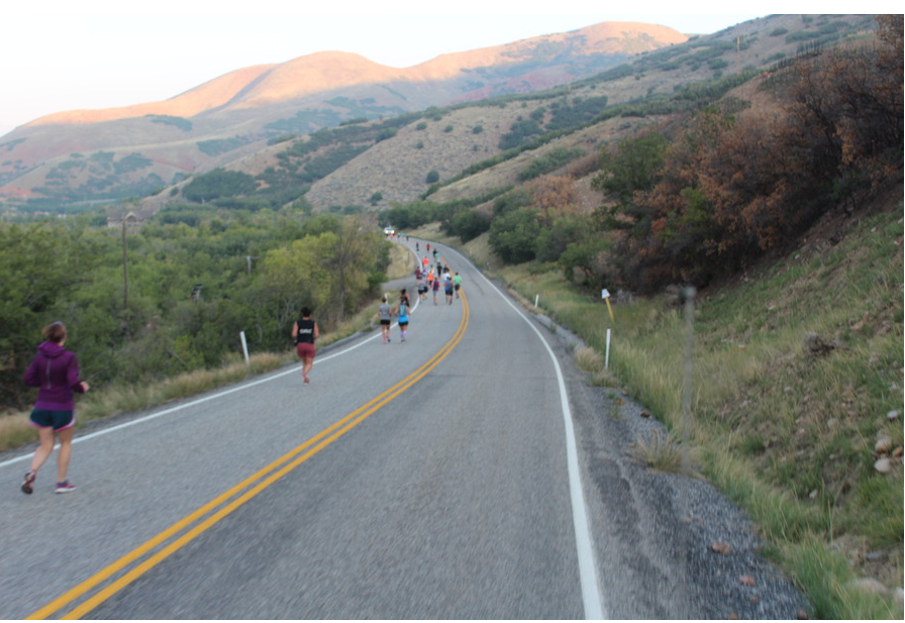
(402, 262)
(659, 451)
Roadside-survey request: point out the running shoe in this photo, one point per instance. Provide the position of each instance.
(29, 480)
(65, 487)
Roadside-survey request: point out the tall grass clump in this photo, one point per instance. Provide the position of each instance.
(658, 451)
(15, 431)
(592, 362)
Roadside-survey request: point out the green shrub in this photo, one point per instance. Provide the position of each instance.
(513, 236)
(519, 133)
(219, 183)
(551, 161)
(469, 224)
(183, 124)
(215, 147)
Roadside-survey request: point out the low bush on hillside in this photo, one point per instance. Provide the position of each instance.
(567, 114)
(219, 183)
(552, 160)
(215, 147)
(183, 124)
(520, 132)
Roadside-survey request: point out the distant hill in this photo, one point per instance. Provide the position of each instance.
(86, 155)
(344, 133)
(394, 162)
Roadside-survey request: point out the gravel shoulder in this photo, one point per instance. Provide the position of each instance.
(654, 532)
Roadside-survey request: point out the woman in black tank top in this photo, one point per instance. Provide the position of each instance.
(304, 332)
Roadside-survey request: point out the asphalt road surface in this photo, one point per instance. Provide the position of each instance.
(436, 478)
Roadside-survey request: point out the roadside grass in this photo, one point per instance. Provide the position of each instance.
(15, 431)
(402, 262)
(482, 255)
(658, 451)
(588, 359)
(798, 370)
(592, 362)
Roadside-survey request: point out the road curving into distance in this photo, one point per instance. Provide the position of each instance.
(434, 478)
(470, 472)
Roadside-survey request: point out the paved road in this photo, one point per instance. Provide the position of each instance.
(448, 497)
(436, 478)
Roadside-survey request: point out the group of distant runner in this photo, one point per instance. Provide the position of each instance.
(55, 371)
(429, 278)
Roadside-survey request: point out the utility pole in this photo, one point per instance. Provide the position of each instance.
(125, 270)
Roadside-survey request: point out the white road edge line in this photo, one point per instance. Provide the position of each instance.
(587, 567)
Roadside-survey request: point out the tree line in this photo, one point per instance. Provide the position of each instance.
(173, 296)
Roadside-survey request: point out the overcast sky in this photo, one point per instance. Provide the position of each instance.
(61, 56)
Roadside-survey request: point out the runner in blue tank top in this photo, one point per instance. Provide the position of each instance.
(402, 317)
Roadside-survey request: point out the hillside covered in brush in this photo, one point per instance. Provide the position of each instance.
(131, 151)
(485, 146)
(379, 133)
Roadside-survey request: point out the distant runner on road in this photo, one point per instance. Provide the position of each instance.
(305, 331)
(385, 314)
(402, 314)
(448, 288)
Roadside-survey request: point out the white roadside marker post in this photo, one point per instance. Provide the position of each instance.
(244, 345)
(605, 295)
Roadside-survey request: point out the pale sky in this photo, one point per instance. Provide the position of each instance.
(59, 56)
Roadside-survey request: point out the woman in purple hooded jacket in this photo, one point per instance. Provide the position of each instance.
(55, 372)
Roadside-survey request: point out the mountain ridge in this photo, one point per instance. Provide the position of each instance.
(336, 69)
(226, 121)
(237, 113)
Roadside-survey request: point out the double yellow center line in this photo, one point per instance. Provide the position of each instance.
(138, 562)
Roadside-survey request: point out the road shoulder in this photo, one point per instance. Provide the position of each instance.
(667, 546)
